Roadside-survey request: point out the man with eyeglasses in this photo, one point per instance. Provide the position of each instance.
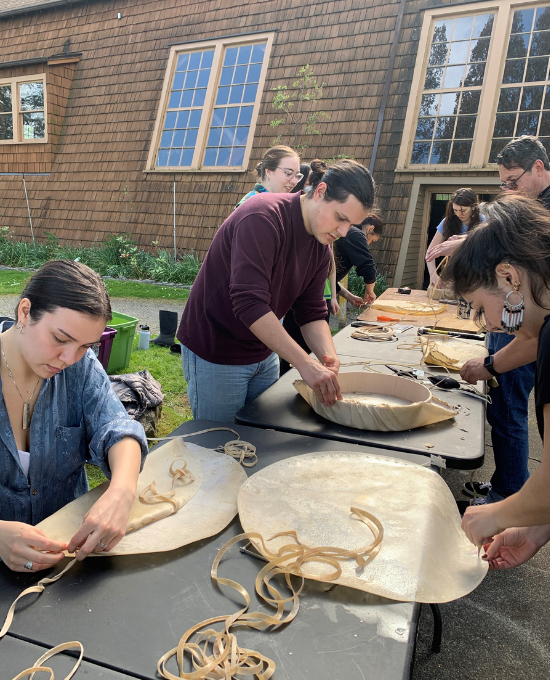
(523, 167)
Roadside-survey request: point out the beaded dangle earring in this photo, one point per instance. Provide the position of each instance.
(512, 314)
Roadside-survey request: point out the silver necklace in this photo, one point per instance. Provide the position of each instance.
(26, 407)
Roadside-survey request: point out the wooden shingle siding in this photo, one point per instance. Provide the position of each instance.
(102, 111)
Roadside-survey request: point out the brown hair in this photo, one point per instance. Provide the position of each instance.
(273, 157)
(343, 178)
(452, 225)
(68, 284)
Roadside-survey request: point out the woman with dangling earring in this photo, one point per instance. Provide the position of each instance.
(503, 270)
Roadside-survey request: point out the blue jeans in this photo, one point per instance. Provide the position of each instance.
(218, 391)
(507, 416)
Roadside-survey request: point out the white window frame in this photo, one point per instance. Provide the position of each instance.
(483, 135)
(219, 46)
(17, 113)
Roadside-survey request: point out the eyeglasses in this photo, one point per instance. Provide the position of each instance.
(514, 183)
(289, 174)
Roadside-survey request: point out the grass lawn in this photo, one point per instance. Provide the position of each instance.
(13, 282)
(164, 366)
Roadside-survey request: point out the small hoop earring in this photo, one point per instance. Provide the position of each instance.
(512, 314)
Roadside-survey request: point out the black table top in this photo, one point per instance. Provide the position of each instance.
(461, 440)
(128, 611)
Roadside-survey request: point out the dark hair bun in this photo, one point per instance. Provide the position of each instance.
(318, 165)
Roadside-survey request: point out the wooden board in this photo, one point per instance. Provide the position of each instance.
(447, 320)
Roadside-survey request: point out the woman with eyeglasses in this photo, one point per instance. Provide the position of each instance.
(503, 270)
(461, 216)
(278, 172)
(57, 412)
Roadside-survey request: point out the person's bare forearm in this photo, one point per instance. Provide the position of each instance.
(125, 461)
(518, 353)
(270, 331)
(319, 338)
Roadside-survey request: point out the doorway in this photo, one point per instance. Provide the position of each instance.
(437, 208)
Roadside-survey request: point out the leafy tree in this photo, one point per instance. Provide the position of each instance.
(298, 117)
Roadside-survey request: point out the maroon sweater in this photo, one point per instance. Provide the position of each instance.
(261, 260)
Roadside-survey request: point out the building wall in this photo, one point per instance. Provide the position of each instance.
(96, 184)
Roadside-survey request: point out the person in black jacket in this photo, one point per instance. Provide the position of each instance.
(353, 251)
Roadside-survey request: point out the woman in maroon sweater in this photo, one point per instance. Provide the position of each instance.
(268, 256)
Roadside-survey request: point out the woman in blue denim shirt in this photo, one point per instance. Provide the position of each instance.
(58, 411)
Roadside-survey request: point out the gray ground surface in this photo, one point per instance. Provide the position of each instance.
(147, 311)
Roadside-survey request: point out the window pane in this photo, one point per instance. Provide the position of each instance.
(245, 115)
(536, 69)
(463, 28)
(445, 127)
(228, 136)
(223, 95)
(483, 25)
(179, 79)
(204, 77)
(547, 98)
(241, 136)
(523, 20)
(496, 148)
(207, 59)
(527, 124)
(198, 99)
(465, 126)
(31, 96)
(183, 119)
(224, 155)
(254, 71)
(237, 156)
(249, 95)
(191, 79)
(5, 99)
(239, 76)
(509, 99)
(420, 153)
(425, 128)
(214, 137)
(195, 118)
(227, 75)
(236, 94)
(245, 52)
(454, 76)
(186, 158)
(434, 76)
(230, 56)
(174, 157)
(438, 54)
(513, 71)
(210, 156)
(518, 45)
(183, 61)
(429, 104)
(440, 152)
(545, 123)
(186, 99)
(480, 50)
(194, 61)
(33, 126)
(504, 125)
(6, 126)
(459, 52)
(258, 52)
(540, 44)
(162, 159)
(232, 116)
(470, 101)
(449, 103)
(178, 139)
(442, 31)
(532, 98)
(474, 75)
(542, 19)
(461, 152)
(166, 139)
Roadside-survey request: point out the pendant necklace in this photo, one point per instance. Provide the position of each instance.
(26, 407)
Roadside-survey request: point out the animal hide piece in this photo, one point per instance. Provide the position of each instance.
(410, 308)
(382, 403)
(452, 353)
(424, 555)
(203, 507)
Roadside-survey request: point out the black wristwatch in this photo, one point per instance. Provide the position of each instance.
(488, 363)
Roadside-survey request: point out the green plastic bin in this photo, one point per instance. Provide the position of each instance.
(122, 344)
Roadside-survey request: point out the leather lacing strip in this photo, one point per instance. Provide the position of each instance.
(39, 668)
(150, 494)
(236, 448)
(216, 655)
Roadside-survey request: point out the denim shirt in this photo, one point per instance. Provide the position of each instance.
(77, 418)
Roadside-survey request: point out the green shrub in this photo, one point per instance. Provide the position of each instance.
(119, 257)
(356, 285)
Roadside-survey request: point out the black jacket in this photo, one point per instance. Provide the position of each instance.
(353, 251)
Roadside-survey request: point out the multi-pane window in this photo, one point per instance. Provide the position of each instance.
(524, 99)
(22, 111)
(212, 95)
(452, 89)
